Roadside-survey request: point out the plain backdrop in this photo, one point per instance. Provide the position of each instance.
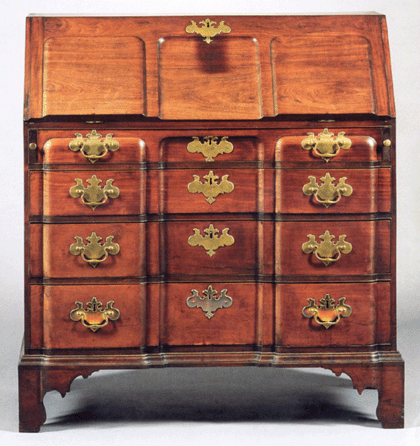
(211, 406)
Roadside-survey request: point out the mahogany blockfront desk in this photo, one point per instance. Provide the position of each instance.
(209, 191)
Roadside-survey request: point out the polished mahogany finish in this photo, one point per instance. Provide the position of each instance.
(254, 222)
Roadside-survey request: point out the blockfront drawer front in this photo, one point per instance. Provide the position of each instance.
(327, 191)
(210, 190)
(90, 316)
(329, 146)
(209, 149)
(93, 250)
(90, 193)
(316, 315)
(214, 247)
(330, 248)
(89, 148)
(208, 313)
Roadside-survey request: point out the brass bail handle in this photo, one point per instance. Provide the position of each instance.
(327, 193)
(93, 195)
(325, 145)
(93, 148)
(327, 314)
(94, 317)
(327, 251)
(94, 253)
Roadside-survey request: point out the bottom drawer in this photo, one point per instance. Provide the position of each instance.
(53, 328)
(203, 314)
(364, 318)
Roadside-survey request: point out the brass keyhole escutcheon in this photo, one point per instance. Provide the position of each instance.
(211, 188)
(207, 30)
(209, 303)
(211, 241)
(210, 148)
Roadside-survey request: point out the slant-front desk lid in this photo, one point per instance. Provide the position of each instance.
(208, 67)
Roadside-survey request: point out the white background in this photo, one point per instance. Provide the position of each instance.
(222, 406)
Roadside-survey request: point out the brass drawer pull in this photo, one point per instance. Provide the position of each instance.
(209, 303)
(93, 148)
(210, 242)
(93, 196)
(327, 194)
(210, 148)
(327, 314)
(211, 188)
(327, 251)
(207, 30)
(325, 146)
(94, 317)
(94, 253)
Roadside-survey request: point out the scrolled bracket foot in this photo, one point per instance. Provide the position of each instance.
(34, 383)
(388, 379)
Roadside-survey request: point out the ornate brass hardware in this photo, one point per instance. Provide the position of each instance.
(93, 196)
(327, 313)
(93, 148)
(325, 145)
(210, 242)
(211, 188)
(210, 148)
(94, 253)
(33, 146)
(209, 303)
(327, 251)
(207, 30)
(387, 143)
(327, 194)
(94, 317)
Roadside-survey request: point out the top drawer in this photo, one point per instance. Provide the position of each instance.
(91, 148)
(327, 146)
(246, 147)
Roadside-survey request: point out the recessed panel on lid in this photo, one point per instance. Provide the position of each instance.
(220, 80)
(93, 75)
(322, 74)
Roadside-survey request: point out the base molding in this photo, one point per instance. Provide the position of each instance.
(39, 374)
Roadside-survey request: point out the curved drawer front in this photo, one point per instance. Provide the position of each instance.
(313, 148)
(91, 193)
(208, 190)
(229, 317)
(329, 190)
(88, 250)
(321, 248)
(211, 247)
(362, 318)
(54, 304)
(70, 147)
(211, 148)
